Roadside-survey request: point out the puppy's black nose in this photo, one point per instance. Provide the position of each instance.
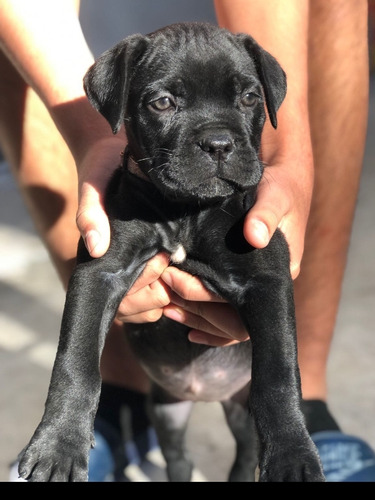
(218, 145)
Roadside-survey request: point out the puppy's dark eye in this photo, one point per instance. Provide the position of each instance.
(163, 104)
(249, 99)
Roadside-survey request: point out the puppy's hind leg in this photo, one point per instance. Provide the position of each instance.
(170, 417)
(242, 426)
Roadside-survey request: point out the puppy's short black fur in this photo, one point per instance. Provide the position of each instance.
(193, 99)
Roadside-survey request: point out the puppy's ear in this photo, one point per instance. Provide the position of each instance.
(106, 83)
(271, 75)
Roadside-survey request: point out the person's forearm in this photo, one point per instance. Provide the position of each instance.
(281, 27)
(285, 192)
(45, 42)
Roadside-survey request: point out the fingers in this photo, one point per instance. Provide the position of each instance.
(145, 305)
(200, 337)
(151, 273)
(212, 323)
(147, 297)
(187, 286)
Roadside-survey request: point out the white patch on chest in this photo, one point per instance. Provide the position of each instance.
(179, 255)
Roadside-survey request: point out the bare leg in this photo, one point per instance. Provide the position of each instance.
(338, 105)
(46, 174)
(338, 79)
(42, 166)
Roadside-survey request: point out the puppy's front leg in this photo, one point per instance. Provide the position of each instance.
(287, 452)
(59, 448)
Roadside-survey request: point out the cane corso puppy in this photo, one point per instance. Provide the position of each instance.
(193, 98)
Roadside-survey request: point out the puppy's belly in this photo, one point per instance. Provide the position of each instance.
(198, 383)
(190, 371)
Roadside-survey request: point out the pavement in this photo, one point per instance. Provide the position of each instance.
(31, 296)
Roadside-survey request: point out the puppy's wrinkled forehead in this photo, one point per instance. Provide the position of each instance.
(202, 57)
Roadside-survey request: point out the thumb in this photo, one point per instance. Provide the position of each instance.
(94, 173)
(262, 221)
(272, 211)
(92, 221)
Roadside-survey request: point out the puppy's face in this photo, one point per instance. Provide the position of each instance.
(192, 97)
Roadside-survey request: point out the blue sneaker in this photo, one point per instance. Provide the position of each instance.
(345, 458)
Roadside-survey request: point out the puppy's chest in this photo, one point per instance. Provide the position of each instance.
(178, 239)
(191, 237)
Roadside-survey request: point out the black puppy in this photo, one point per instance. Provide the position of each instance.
(193, 98)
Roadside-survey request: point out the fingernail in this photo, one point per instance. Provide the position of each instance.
(173, 313)
(91, 240)
(197, 338)
(261, 232)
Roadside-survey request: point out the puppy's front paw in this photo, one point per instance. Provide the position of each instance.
(293, 464)
(54, 457)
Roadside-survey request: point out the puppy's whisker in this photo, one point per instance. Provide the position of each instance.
(144, 159)
(226, 212)
(159, 167)
(164, 150)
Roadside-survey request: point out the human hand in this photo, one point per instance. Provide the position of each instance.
(94, 172)
(211, 319)
(145, 300)
(283, 201)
